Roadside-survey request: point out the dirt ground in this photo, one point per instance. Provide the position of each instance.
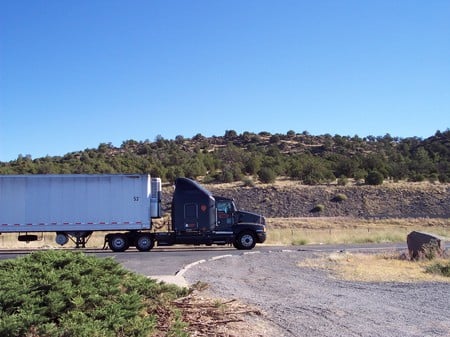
(295, 299)
(221, 317)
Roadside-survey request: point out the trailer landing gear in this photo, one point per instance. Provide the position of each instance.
(79, 238)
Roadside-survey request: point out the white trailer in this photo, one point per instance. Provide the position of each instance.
(74, 206)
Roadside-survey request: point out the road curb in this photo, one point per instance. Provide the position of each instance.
(190, 265)
(172, 279)
(186, 267)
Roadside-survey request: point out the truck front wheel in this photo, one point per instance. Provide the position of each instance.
(118, 242)
(245, 240)
(144, 243)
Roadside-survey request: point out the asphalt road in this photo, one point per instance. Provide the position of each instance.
(170, 260)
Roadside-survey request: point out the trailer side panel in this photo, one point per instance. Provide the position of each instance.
(40, 203)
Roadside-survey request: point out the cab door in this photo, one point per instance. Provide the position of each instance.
(225, 214)
(191, 217)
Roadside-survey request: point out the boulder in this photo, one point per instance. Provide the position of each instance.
(424, 245)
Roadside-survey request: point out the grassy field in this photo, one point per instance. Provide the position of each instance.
(386, 267)
(314, 230)
(46, 241)
(296, 231)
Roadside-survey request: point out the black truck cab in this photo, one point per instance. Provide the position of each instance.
(198, 217)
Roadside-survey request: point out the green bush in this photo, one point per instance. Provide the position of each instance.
(248, 182)
(339, 197)
(57, 293)
(342, 181)
(439, 269)
(318, 208)
(374, 178)
(417, 177)
(266, 175)
(300, 242)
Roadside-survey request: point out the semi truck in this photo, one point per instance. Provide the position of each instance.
(124, 206)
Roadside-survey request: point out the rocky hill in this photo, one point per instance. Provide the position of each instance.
(391, 200)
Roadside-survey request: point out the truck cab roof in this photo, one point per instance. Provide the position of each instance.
(186, 184)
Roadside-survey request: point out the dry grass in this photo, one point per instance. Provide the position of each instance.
(294, 231)
(375, 268)
(325, 230)
(286, 182)
(46, 241)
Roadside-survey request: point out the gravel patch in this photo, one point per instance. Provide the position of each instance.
(304, 301)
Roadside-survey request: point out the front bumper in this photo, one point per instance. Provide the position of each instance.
(261, 237)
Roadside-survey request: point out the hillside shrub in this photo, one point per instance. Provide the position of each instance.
(439, 269)
(318, 208)
(417, 177)
(342, 181)
(58, 293)
(266, 175)
(374, 178)
(248, 182)
(339, 197)
(443, 178)
(311, 159)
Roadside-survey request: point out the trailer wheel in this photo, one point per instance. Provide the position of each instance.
(61, 238)
(144, 243)
(118, 242)
(245, 240)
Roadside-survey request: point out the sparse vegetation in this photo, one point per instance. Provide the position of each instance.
(248, 182)
(342, 181)
(318, 208)
(430, 251)
(339, 197)
(439, 268)
(323, 230)
(386, 267)
(299, 242)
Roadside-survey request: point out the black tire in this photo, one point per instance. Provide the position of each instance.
(245, 241)
(118, 242)
(61, 238)
(144, 243)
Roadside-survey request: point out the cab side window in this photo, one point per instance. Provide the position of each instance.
(224, 216)
(224, 207)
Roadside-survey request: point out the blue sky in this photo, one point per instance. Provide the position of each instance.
(74, 74)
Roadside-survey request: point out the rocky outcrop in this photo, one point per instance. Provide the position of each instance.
(421, 201)
(296, 200)
(424, 245)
